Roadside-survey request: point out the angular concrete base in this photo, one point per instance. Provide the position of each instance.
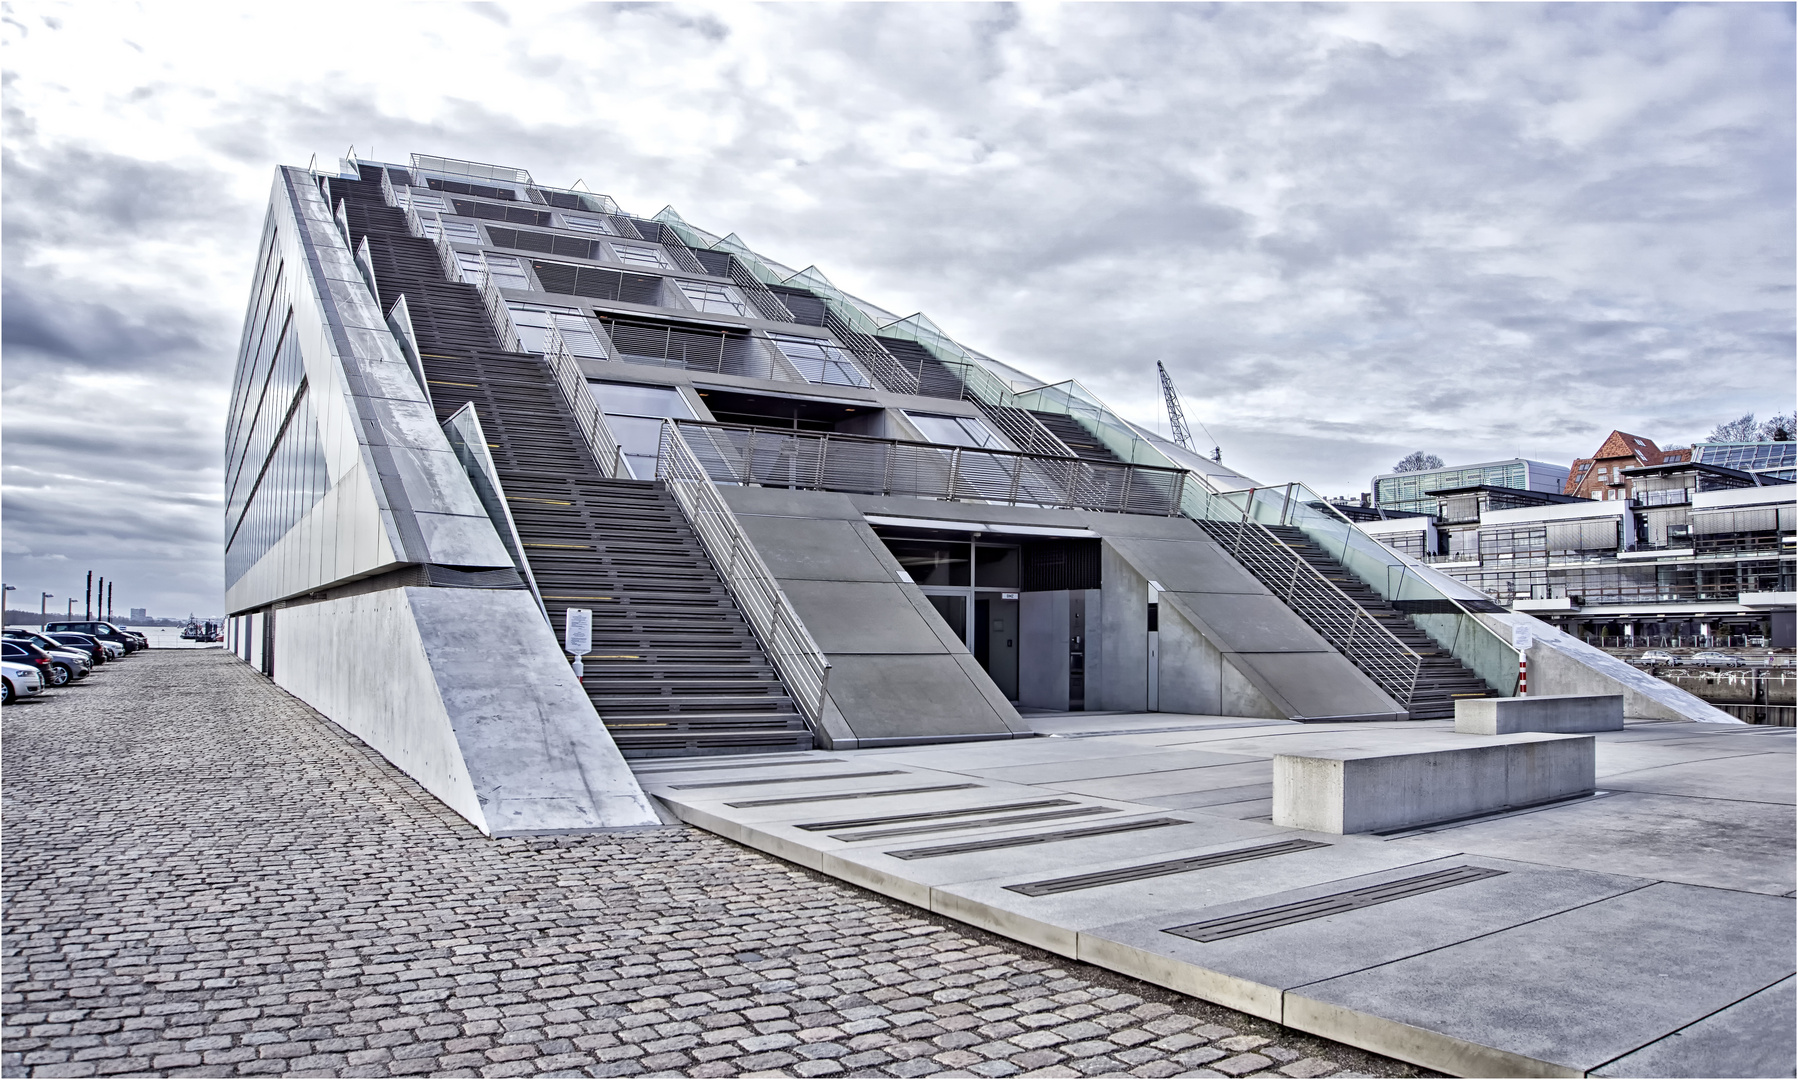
(1355, 791)
(1553, 713)
(466, 692)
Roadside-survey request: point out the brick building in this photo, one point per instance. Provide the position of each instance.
(1601, 475)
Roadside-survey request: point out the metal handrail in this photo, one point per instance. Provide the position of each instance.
(607, 454)
(829, 461)
(452, 267)
(800, 662)
(499, 315)
(1345, 624)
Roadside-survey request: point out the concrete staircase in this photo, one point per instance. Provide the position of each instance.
(675, 669)
(1082, 442)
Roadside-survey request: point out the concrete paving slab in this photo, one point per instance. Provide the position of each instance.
(1571, 991)
(1768, 778)
(1623, 758)
(1713, 842)
(1245, 810)
(1099, 767)
(1753, 1037)
(1294, 955)
(1220, 797)
(1160, 722)
(1150, 787)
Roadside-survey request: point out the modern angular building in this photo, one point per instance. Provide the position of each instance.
(1415, 492)
(480, 423)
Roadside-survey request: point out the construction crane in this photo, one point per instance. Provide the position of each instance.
(1176, 417)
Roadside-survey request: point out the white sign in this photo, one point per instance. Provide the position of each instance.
(1008, 596)
(1522, 637)
(578, 636)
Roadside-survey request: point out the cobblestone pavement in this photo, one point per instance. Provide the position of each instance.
(204, 878)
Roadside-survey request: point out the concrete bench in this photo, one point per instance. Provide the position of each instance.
(1557, 713)
(1353, 791)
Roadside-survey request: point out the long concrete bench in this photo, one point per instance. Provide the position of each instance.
(1558, 713)
(1354, 791)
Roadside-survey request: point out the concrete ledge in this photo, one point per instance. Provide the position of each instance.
(1554, 713)
(1354, 791)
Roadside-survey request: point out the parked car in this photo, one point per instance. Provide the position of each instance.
(105, 631)
(1712, 658)
(89, 645)
(70, 664)
(19, 680)
(23, 652)
(1658, 656)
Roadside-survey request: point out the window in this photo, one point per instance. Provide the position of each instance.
(589, 226)
(461, 232)
(422, 202)
(634, 412)
(638, 255)
(819, 361)
(508, 273)
(717, 299)
(577, 333)
(955, 431)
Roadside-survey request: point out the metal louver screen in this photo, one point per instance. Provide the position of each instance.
(1759, 519)
(600, 284)
(682, 345)
(519, 215)
(716, 263)
(807, 309)
(547, 243)
(1583, 535)
(459, 188)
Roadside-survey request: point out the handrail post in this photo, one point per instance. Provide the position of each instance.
(954, 470)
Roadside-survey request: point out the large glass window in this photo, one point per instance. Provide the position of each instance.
(931, 562)
(634, 412)
(461, 232)
(955, 431)
(639, 255)
(508, 272)
(587, 226)
(718, 299)
(533, 320)
(819, 361)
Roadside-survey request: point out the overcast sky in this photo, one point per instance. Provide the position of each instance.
(1349, 231)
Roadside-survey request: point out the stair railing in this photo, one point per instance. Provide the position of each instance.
(499, 315)
(452, 266)
(607, 454)
(801, 663)
(1345, 624)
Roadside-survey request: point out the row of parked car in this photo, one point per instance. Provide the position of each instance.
(62, 653)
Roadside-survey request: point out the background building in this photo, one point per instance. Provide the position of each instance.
(1778, 460)
(1601, 475)
(1415, 491)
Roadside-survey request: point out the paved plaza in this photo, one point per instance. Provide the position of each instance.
(205, 878)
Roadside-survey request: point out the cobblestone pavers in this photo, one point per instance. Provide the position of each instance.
(204, 878)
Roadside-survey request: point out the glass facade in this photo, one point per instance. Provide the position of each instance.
(1779, 459)
(1412, 491)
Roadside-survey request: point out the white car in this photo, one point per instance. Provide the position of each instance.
(19, 680)
(1716, 659)
(1658, 656)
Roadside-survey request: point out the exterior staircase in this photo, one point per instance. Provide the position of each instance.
(1082, 442)
(675, 669)
(1316, 587)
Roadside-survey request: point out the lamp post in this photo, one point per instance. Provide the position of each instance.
(41, 617)
(7, 589)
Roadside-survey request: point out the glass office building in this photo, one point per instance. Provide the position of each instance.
(1415, 491)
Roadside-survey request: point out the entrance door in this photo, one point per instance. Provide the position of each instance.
(996, 642)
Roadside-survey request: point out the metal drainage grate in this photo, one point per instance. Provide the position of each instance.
(895, 819)
(854, 795)
(979, 823)
(1250, 922)
(786, 780)
(1034, 838)
(1161, 869)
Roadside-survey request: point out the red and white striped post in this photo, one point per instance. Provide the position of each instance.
(1522, 637)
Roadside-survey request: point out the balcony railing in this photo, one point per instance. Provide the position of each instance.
(825, 461)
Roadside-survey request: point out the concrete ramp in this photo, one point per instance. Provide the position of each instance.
(896, 672)
(1235, 626)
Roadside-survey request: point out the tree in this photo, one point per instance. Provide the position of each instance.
(1417, 461)
(1780, 428)
(1742, 429)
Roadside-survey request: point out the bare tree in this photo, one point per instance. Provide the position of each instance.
(1417, 461)
(1741, 429)
(1780, 428)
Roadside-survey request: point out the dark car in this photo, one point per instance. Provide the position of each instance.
(102, 630)
(87, 643)
(23, 652)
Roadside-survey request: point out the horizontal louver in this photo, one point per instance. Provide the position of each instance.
(519, 215)
(457, 187)
(600, 284)
(716, 263)
(1758, 519)
(1583, 535)
(547, 243)
(807, 309)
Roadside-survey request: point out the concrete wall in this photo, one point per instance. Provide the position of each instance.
(465, 691)
(1044, 626)
(897, 672)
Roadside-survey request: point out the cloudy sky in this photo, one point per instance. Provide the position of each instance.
(1349, 231)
